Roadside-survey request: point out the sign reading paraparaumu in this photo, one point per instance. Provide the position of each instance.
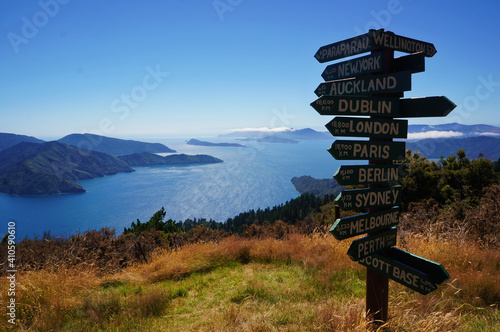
(366, 91)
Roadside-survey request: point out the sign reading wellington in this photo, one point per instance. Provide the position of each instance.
(366, 92)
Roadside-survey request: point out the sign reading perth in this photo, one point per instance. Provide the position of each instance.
(354, 88)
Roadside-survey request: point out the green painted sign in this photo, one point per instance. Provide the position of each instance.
(345, 228)
(425, 107)
(436, 272)
(359, 199)
(367, 150)
(369, 64)
(386, 83)
(362, 127)
(385, 39)
(372, 244)
(403, 274)
(374, 39)
(369, 174)
(356, 105)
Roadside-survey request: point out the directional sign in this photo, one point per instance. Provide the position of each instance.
(415, 63)
(345, 48)
(371, 64)
(369, 174)
(372, 244)
(435, 271)
(359, 127)
(385, 106)
(368, 64)
(405, 275)
(355, 105)
(372, 40)
(393, 82)
(359, 199)
(425, 107)
(385, 39)
(345, 228)
(367, 150)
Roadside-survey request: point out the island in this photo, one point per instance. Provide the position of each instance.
(149, 159)
(54, 167)
(113, 146)
(204, 143)
(317, 187)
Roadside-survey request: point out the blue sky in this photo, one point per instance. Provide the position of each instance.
(199, 68)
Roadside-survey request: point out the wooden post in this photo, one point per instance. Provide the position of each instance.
(377, 285)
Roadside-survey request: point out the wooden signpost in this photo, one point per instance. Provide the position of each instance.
(372, 86)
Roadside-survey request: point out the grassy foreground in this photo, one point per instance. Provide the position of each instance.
(301, 283)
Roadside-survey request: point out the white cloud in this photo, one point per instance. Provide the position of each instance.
(262, 129)
(488, 134)
(435, 134)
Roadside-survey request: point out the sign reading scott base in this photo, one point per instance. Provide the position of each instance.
(398, 272)
(345, 228)
(393, 82)
(358, 199)
(372, 244)
(361, 127)
(367, 150)
(369, 174)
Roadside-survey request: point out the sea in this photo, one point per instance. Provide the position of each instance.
(251, 177)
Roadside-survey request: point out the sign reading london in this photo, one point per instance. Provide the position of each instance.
(359, 127)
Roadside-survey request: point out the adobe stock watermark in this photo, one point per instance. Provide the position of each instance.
(382, 18)
(32, 25)
(221, 7)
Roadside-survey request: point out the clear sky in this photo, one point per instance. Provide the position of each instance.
(199, 68)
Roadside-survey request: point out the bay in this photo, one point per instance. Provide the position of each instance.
(252, 177)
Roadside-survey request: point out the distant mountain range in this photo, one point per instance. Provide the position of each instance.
(35, 167)
(7, 140)
(205, 143)
(113, 146)
(52, 168)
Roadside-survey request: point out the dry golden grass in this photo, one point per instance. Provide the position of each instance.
(305, 283)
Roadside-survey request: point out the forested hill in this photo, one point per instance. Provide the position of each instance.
(113, 146)
(317, 187)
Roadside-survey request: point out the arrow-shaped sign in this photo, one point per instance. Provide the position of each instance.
(345, 228)
(368, 64)
(436, 272)
(405, 275)
(356, 105)
(372, 244)
(371, 64)
(369, 174)
(359, 199)
(362, 127)
(390, 107)
(367, 150)
(425, 107)
(374, 39)
(387, 83)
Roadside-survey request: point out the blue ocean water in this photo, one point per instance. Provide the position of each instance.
(256, 176)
